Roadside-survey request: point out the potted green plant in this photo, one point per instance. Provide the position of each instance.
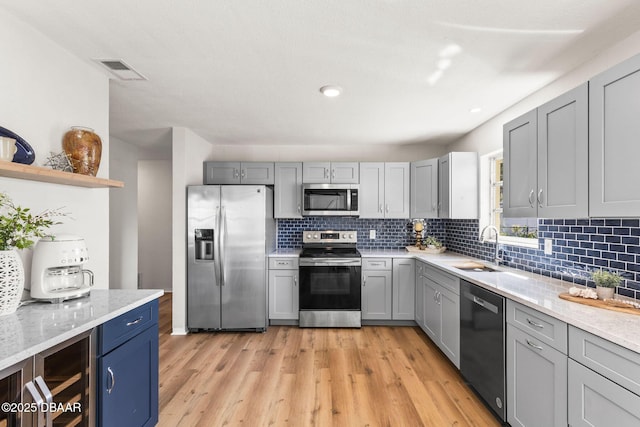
(432, 243)
(19, 229)
(606, 282)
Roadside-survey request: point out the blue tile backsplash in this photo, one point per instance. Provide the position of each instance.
(579, 245)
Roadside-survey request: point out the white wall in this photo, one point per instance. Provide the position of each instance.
(123, 216)
(188, 151)
(154, 224)
(44, 91)
(488, 137)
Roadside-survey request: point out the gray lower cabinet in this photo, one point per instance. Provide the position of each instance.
(440, 310)
(614, 108)
(595, 401)
(604, 382)
(419, 302)
(424, 189)
(283, 289)
(287, 190)
(404, 289)
(536, 366)
(536, 381)
(377, 289)
(223, 173)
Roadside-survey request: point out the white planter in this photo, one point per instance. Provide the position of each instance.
(11, 281)
(605, 293)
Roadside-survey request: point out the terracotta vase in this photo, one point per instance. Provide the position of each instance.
(84, 149)
(11, 281)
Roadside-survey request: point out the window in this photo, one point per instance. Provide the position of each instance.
(515, 231)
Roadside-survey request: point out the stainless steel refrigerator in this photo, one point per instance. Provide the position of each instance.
(230, 232)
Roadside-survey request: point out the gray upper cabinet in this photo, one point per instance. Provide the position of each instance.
(563, 156)
(372, 190)
(396, 190)
(424, 189)
(384, 190)
(614, 109)
(520, 151)
(458, 185)
(288, 190)
(330, 172)
(222, 173)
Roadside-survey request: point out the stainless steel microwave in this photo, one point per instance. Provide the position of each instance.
(330, 200)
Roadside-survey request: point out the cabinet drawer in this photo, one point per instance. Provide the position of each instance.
(377, 263)
(290, 263)
(547, 329)
(126, 326)
(442, 278)
(617, 363)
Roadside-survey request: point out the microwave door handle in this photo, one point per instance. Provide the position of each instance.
(349, 200)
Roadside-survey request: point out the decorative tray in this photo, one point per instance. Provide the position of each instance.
(608, 304)
(426, 250)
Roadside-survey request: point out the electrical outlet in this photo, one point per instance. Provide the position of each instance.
(372, 234)
(548, 246)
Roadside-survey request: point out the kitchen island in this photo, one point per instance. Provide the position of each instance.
(92, 360)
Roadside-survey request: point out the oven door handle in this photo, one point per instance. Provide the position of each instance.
(322, 262)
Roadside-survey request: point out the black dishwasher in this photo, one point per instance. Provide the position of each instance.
(482, 345)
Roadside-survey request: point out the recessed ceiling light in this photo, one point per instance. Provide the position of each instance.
(331, 91)
(475, 110)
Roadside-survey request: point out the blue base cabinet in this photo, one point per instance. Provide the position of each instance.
(127, 369)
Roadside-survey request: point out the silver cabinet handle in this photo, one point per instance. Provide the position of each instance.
(112, 379)
(243, 174)
(364, 281)
(135, 322)
(48, 396)
(534, 324)
(531, 196)
(33, 391)
(236, 173)
(380, 208)
(295, 280)
(333, 173)
(387, 207)
(298, 207)
(537, 347)
(540, 198)
(433, 207)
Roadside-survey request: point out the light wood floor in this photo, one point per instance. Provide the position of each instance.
(374, 376)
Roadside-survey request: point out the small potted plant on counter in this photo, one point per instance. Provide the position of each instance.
(606, 282)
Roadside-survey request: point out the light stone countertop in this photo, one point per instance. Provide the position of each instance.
(535, 291)
(284, 253)
(36, 327)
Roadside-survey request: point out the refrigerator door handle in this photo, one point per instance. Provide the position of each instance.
(216, 248)
(221, 235)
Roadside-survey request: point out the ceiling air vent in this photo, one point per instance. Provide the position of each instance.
(120, 69)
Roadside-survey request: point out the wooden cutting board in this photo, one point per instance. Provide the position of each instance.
(607, 304)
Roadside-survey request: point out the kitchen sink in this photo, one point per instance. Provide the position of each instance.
(475, 267)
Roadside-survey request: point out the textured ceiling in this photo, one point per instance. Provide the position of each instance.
(248, 71)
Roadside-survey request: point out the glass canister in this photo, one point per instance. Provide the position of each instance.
(84, 148)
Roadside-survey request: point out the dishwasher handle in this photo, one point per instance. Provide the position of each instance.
(482, 303)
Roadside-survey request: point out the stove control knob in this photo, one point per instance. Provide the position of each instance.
(351, 236)
(315, 236)
(308, 236)
(344, 236)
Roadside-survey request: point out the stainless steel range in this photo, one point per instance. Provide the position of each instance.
(330, 275)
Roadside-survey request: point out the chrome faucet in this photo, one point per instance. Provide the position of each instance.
(496, 256)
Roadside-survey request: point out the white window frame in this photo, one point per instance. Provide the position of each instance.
(487, 162)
